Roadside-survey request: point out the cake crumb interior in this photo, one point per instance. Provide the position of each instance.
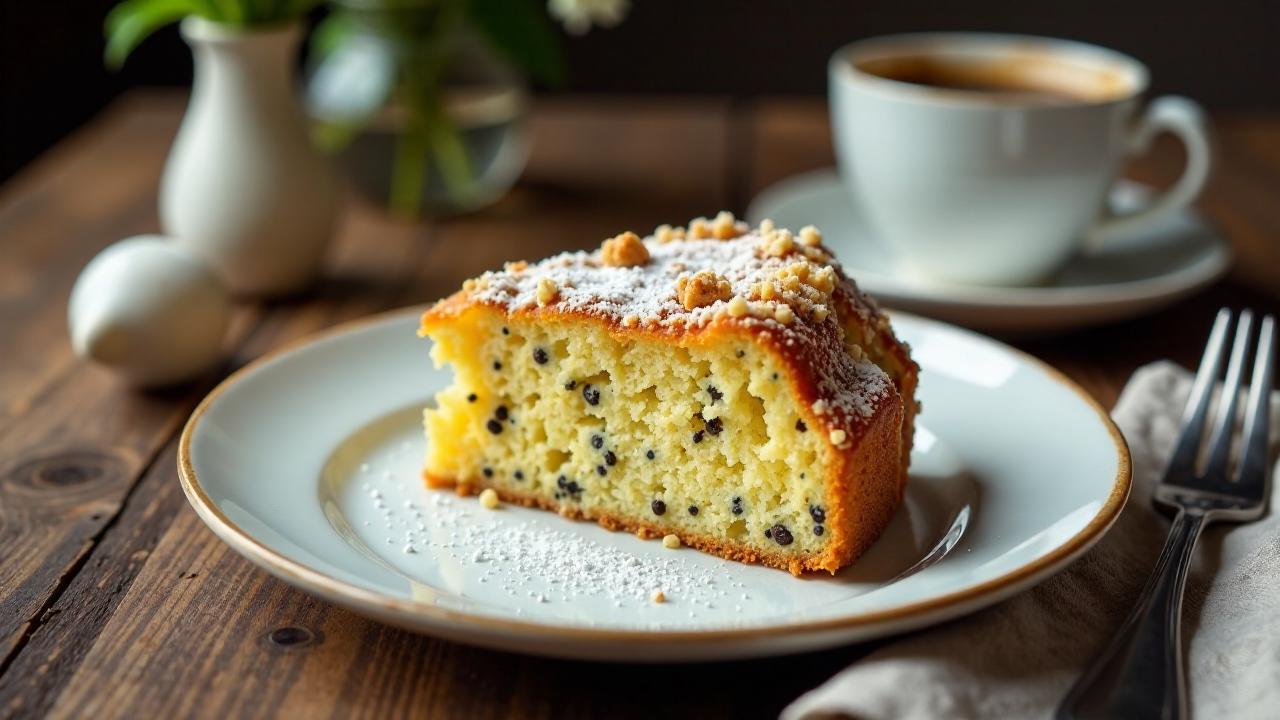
(705, 438)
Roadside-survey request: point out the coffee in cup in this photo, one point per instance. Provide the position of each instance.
(987, 159)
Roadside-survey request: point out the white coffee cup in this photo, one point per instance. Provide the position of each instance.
(987, 159)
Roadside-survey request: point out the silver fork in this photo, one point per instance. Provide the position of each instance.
(1140, 675)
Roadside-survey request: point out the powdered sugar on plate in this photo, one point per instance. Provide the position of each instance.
(520, 563)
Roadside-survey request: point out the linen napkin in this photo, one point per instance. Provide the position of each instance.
(1017, 659)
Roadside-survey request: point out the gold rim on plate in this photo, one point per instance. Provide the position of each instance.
(353, 595)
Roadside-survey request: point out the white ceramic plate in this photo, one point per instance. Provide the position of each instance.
(307, 463)
(1131, 276)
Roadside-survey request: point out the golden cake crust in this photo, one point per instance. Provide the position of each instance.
(781, 292)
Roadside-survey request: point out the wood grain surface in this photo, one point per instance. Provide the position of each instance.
(115, 601)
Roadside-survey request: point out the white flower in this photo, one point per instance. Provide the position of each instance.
(579, 15)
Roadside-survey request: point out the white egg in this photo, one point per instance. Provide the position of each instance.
(150, 311)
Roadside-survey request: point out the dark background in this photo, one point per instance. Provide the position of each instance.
(1226, 54)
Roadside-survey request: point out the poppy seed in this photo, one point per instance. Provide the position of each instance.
(781, 535)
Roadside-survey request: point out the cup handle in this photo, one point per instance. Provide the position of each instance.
(1186, 119)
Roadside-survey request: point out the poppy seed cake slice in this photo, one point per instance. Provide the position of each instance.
(724, 384)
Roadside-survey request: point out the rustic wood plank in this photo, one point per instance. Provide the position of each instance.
(785, 138)
(69, 463)
(65, 467)
(63, 632)
(75, 442)
(1240, 197)
(72, 439)
(362, 279)
(97, 188)
(45, 522)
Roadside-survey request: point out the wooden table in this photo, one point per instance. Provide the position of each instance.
(115, 601)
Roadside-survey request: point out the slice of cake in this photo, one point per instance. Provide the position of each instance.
(726, 385)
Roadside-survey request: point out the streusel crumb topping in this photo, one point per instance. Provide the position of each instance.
(768, 279)
(625, 250)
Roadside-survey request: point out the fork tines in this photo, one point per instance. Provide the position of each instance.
(1251, 469)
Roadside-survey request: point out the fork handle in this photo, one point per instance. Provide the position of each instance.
(1140, 674)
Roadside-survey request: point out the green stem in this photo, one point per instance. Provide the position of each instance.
(409, 168)
(429, 133)
(232, 12)
(450, 154)
(332, 136)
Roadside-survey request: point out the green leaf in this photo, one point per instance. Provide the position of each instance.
(229, 11)
(329, 34)
(521, 31)
(132, 21)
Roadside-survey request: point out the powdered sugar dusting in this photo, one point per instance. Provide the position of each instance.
(647, 291)
(795, 298)
(561, 566)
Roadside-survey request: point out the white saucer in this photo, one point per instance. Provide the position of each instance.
(308, 463)
(1131, 276)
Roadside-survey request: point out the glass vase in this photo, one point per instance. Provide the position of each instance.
(418, 111)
